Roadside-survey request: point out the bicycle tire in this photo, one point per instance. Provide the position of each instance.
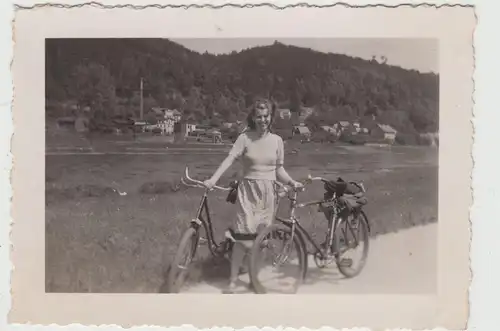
(346, 271)
(188, 241)
(255, 252)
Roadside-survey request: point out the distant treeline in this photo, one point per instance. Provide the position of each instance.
(105, 75)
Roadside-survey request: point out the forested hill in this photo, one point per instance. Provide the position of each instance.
(105, 74)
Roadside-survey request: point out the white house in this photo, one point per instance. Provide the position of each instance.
(227, 125)
(168, 119)
(305, 112)
(329, 129)
(284, 113)
(172, 114)
(301, 130)
(190, 127)
(385, 132)
(342, 126)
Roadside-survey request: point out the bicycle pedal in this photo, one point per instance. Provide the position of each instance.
(202, 240)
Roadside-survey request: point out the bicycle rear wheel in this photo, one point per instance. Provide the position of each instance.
(280, 236)
(179, 267)
(351, 234)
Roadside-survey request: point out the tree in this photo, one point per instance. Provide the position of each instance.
(282, 124)
(94, 87)
(314, 122)
(215, 122)
(339, 86)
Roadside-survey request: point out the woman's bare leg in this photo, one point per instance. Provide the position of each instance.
(237, 258)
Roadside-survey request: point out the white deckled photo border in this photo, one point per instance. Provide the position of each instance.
(449, 308)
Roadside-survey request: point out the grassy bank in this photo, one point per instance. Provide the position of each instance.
(100, 241)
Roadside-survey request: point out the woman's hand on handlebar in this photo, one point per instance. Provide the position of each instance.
(296, 185)
(210, 183)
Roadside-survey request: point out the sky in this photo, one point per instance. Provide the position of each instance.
(418, 54)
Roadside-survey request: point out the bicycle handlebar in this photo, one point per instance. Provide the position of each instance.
(312, 179)
(198, 183)
(308, 180)
(286, 188)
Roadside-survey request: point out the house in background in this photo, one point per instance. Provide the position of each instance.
(284, 113)
(227, 125)
(182, 130)
(167, 118)
(66, 123)
(358, 128)
(304, 113)
(79, 123)
(190, 127)
(384, 132)
(329, 129)
(172, 114)
(140, 126)
(302, 131)
(185, 128)
(344, 126)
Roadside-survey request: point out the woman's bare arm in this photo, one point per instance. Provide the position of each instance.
(226, 164)
(236, 151)
(283, 176)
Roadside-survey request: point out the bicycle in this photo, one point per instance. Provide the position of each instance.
(191, 238)
(342, 206)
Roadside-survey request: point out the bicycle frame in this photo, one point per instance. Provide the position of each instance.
(202, 216)
(334, 220)
(293, 222)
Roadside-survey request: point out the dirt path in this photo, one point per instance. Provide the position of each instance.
(404, 262)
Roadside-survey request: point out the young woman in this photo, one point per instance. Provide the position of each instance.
(261, 153)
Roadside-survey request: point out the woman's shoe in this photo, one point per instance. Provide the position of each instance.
(230, 289)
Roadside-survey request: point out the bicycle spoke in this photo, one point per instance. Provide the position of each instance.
(279, 267)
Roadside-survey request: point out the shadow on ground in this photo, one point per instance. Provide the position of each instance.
(209, 270)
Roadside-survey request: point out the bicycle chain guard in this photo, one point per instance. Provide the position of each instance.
(284, 255)
(322, 262)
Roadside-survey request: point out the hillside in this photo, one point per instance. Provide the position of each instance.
(105, 75)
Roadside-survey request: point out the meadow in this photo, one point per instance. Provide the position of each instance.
(98, 240)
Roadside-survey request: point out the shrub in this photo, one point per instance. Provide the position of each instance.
(323, 136)
(427, 139)
(345, 137)
(284, 134)
(359, 139)
(406, 139)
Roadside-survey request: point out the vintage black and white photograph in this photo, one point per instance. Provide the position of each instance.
(309, 166)
(241, 165)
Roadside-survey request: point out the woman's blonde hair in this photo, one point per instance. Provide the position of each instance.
(260, 103)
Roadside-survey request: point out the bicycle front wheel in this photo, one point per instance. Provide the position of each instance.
(179, 267)
(286, 252)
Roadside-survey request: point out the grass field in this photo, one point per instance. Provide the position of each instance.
(100, 241)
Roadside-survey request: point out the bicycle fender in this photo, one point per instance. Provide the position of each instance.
(368, 223)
